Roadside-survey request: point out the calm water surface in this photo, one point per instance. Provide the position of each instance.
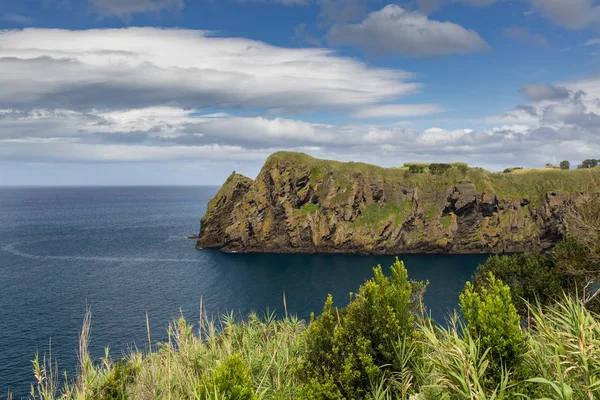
(123, 252)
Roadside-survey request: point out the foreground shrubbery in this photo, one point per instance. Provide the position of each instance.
(381, 346)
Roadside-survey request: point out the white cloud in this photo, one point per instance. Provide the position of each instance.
(144, 96)
(394, 30)
(540, 92)
(572, 14)
(397, 111)
(145, 67)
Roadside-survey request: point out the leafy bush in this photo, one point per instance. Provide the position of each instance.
(232, 380)
(544, 278)
(589, 163)
(350, 349)
(416, 169)
(492, 318)
(439, 169)
(565, 164)
(530, 277)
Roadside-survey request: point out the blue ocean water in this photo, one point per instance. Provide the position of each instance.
(123, 252)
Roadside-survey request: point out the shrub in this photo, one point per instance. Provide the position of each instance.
(349, 349)
(565, 164)
(462, 167)
(416, 169)
(530, 277)
(492, 318)
(589, 163)
(232, 379)
(439, 169)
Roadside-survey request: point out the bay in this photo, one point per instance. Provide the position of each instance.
(122, 251)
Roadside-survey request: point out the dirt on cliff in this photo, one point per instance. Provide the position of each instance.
(299, 204)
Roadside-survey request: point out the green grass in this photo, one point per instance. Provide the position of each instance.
(445, 221)
(432, 211)
(530, 184)
(375, 214)
(309, 208)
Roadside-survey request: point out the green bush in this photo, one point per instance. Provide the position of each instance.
(589, 163)
(531, 277)
(492, 318)
(232, 379)
(416, 169)
(350, 349)
(565, 164)
(543, 278)
(439, 169)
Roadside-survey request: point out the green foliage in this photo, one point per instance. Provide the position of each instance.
(445, 221)
(316, 174)
(416, 169)
(565, 164)
(432, 211)
(374, 214)
(543, 278)
(439, 169)
(589, 163)
(351, 347)
(565, 350)
(309, 208)
(462, 167)
(493, 319)
(380, 346)
(459, 364)
(529, 276)
(232, 379)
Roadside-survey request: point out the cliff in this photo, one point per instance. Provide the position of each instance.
(299, 204)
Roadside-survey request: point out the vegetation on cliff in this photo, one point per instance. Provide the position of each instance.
(302, 204)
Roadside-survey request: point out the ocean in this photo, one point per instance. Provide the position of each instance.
(123, 252)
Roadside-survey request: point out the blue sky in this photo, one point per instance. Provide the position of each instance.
(182, 92)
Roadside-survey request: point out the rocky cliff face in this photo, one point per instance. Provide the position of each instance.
(299, 204)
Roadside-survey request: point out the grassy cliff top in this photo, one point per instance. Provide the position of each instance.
(524, 183)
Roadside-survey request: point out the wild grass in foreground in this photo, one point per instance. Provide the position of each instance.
(381, 346)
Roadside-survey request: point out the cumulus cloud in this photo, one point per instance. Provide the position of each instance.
(176, 96)
(524, 35)
(145, 67)
(395, 30)
(540, 92)
(126, 8)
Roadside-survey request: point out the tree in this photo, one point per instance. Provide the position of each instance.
(438, 169)
(565, 164)
(416, 169)
(589, 163)
(492, 317)
(349, 348)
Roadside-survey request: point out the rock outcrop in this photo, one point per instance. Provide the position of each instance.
(299, 204)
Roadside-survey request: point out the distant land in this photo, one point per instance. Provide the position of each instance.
(300, 204)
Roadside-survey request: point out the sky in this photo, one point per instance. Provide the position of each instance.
(182, 92)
